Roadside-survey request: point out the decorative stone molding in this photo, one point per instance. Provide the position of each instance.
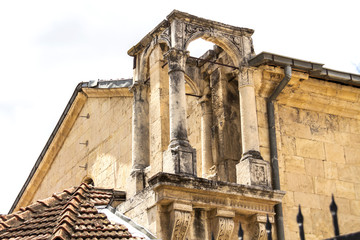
(223, 223)
(215, 194)
(257, 226)
(176, 59)
(254, 172)
(165, 36)
(180, 219)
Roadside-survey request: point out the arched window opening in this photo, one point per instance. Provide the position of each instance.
(199, 47)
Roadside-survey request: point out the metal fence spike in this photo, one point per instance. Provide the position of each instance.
(300, 221)
(268, 228)
(333, 210)
(240, 233)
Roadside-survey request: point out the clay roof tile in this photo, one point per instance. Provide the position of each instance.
(70, 214)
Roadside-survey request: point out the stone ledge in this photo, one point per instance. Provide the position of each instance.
(209, 194)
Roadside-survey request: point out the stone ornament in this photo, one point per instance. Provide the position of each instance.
(182, 221)
(226, 227)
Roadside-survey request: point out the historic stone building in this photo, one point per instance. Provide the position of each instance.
(200, 145)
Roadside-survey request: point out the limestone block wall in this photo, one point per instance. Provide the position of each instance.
(107, 156)
(318, 138)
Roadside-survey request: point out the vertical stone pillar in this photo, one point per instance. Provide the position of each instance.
(206, 124)
(180, 157)
(252, 169)
(222, 224)
(140, 137)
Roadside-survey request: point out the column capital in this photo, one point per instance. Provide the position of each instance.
(245, 77)
(176, 59)
(138, 85)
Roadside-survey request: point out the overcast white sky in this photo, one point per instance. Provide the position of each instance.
(47, 47)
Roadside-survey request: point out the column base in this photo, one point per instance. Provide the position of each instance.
(136, 183)
(180, 160)
(253, 170)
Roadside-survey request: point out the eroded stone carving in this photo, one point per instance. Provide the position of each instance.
(165, 36)
(191, 29)
(225, 229)
(177, 59)
(259, 231)
(182, 221)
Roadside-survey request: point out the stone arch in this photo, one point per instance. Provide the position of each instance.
(195, 89)
(219, 39)
(144, 58)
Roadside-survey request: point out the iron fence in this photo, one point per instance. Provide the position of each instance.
(300, 221)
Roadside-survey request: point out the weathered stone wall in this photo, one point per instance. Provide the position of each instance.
(107, 155)
(193, 112)
(318, 141)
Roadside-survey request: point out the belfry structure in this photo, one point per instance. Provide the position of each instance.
(163, 156)
(192, 147)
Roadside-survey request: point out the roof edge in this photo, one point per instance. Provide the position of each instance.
(314, 69)
(79, 89)
(47, 145)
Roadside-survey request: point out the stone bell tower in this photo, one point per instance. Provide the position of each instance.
(165, 191)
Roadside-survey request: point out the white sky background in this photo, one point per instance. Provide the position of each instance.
(48, 47)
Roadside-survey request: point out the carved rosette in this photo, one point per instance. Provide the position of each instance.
(176, 59)
(182, 221)
(225, 228)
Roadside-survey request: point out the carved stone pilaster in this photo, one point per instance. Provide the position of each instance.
(222, 223)
(180, 219)
(257, 227)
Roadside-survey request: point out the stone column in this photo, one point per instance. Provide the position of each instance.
(140, 137)
(206, 124)
(252, 169)
(180, 157)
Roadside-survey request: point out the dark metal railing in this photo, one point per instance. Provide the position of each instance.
(300, 221)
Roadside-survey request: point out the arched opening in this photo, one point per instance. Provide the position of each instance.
(213, 116)
(199, 46)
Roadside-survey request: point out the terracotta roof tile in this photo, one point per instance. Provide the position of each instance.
(71, 214)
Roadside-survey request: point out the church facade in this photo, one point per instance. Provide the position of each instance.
(201, 145)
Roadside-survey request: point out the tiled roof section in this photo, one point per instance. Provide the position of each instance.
(71, 214)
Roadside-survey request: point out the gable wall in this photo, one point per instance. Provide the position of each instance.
(318, 139)
(107, 155)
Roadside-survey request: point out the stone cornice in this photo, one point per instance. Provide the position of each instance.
(188, 19)
(213, 194)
